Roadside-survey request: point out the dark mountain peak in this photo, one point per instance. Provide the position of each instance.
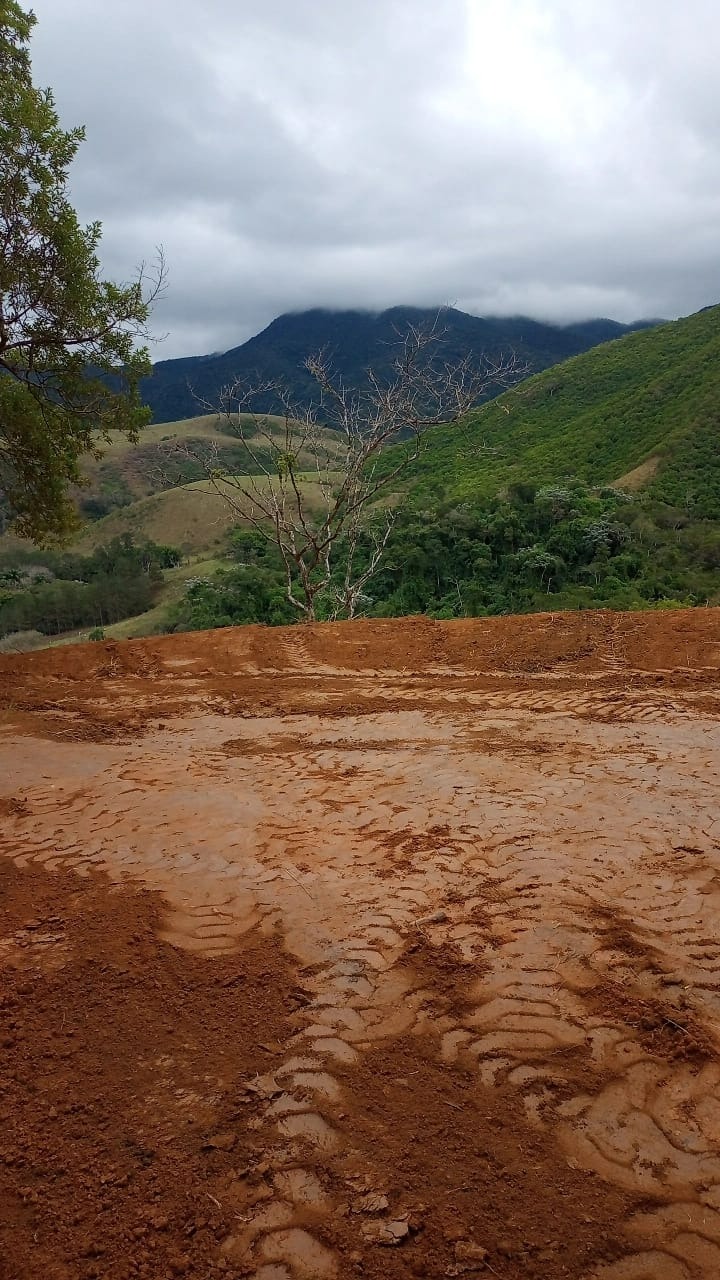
(356, 339)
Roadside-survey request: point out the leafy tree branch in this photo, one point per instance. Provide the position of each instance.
(72, 345)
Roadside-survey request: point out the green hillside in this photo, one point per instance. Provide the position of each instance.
(192, 517)
(652, 395)
(595, 483)
(170, 454)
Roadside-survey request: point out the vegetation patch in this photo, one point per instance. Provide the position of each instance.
(50, 592)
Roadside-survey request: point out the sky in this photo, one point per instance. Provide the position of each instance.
(555, 158)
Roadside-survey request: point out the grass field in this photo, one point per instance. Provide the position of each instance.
(174, 453)
(207, 426)
(154, 489)
(192, 517)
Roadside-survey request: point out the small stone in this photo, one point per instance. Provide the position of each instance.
(220, 1142)
(386, 1233)
(437, 917)
(468, 1251)
(373, 1202)
(264, 1086)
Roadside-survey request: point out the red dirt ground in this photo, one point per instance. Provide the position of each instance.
(373, 950)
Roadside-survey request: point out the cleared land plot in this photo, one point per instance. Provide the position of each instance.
(384, 949)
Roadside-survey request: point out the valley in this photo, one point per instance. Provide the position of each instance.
(594, 484)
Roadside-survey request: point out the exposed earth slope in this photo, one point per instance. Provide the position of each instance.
(384, 949)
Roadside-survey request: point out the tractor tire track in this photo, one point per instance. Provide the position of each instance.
(561, 845)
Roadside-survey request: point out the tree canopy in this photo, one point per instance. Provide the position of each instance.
(72, 345)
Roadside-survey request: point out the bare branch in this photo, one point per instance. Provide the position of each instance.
(314, 473)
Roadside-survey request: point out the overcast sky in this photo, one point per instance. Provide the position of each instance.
(559, 158)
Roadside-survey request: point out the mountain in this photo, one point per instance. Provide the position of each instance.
(643, 409)
(357, 339)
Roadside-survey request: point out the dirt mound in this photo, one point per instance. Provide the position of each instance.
(97, 692)
(378, 949)
(672, 640)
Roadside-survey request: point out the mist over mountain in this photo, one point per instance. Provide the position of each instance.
(355, 340)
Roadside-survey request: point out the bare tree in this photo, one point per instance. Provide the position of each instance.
(321, 471)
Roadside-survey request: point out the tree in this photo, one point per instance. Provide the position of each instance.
(324, 475)
(69, 359)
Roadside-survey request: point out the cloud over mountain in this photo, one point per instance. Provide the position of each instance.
(553, 157)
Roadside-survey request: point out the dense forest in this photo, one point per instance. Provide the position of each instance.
(537, 548)
(534, 547)
(55, 591)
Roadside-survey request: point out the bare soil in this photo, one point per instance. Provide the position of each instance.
(372, 950)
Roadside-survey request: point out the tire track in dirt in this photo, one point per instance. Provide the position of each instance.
(571, 868)
(355, 1000)
(213, 899)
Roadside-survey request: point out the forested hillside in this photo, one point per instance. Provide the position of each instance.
(46, 593)
(594, 483)
(649, 398)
